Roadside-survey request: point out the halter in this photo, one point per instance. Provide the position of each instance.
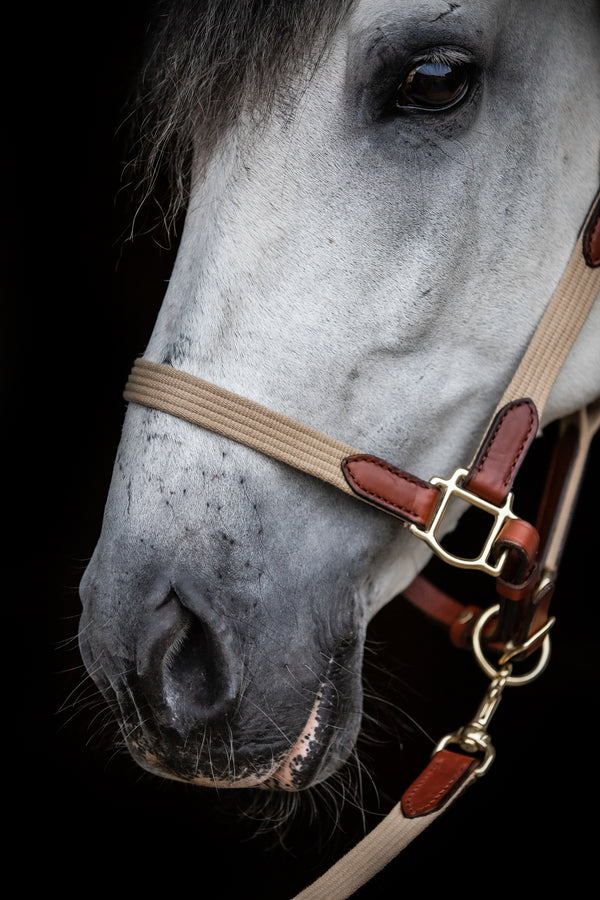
(523, 558)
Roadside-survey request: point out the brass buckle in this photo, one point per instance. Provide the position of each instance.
(500, 515)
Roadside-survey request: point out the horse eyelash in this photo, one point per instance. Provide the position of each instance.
(441, 56)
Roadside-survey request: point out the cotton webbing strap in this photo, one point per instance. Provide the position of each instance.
(378, 848)
(562, 321)
(202, 403)
(373, 853)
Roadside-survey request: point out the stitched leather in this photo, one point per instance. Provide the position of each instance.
(522, 541)
(503, 449)
(491, 476)
(436, 783)
(383, 485)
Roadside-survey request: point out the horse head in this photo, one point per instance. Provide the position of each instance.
(376, 220)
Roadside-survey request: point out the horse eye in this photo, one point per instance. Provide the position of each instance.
(434, 86)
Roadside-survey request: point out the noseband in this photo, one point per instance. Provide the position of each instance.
(523, 558)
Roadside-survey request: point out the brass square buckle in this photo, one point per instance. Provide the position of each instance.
(500, 514)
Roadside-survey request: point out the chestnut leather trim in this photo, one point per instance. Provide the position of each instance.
(522, 541)
(383, 485)
(591, 239)
(436, 783)
(523, 612)
(503, 449)
(444, 610)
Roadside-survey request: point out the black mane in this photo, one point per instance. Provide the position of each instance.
(205, 59)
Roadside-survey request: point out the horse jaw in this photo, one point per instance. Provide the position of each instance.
(380, 284)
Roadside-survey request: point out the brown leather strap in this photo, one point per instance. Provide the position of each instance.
(521, 540)
(524, 590)
(525, 594)
(490, 477)
(437, 783)
(502, 451)
(563, 481)
(382, 484)
(457, 618)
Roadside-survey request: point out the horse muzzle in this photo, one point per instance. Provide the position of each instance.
(198, 698)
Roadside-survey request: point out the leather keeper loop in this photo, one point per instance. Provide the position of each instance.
(521, 540)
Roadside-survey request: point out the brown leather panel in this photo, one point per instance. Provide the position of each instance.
(496, 465)
(591, 239)
(444, 610)
(522, 541)
(383, 485)
(436, 783)
(523, 612)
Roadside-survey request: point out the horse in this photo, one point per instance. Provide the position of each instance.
(381, 199)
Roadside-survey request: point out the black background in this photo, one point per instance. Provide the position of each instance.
(81, 303)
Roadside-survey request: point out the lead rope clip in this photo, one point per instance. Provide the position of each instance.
(474, 737)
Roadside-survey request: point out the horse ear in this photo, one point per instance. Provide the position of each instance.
(591, 238)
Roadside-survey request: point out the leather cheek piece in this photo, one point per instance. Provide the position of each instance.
(521, 540)
(502, 451)
(383, 485)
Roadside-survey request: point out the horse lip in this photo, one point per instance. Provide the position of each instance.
(306, 759)
(298, 768)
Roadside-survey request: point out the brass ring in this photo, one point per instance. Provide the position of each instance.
(488, 668)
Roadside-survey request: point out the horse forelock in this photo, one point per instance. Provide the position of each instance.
(205, 61)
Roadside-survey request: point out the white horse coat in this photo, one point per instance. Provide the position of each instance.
(376, 273)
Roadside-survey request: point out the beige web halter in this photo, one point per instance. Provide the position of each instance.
(523, 558)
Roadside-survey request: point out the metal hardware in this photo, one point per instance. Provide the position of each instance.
(452, 489)
(474, 738)
(512, 651)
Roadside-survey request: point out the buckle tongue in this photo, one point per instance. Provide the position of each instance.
(452, 489)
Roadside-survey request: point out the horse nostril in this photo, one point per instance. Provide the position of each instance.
(189, 672)
(194, 666)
